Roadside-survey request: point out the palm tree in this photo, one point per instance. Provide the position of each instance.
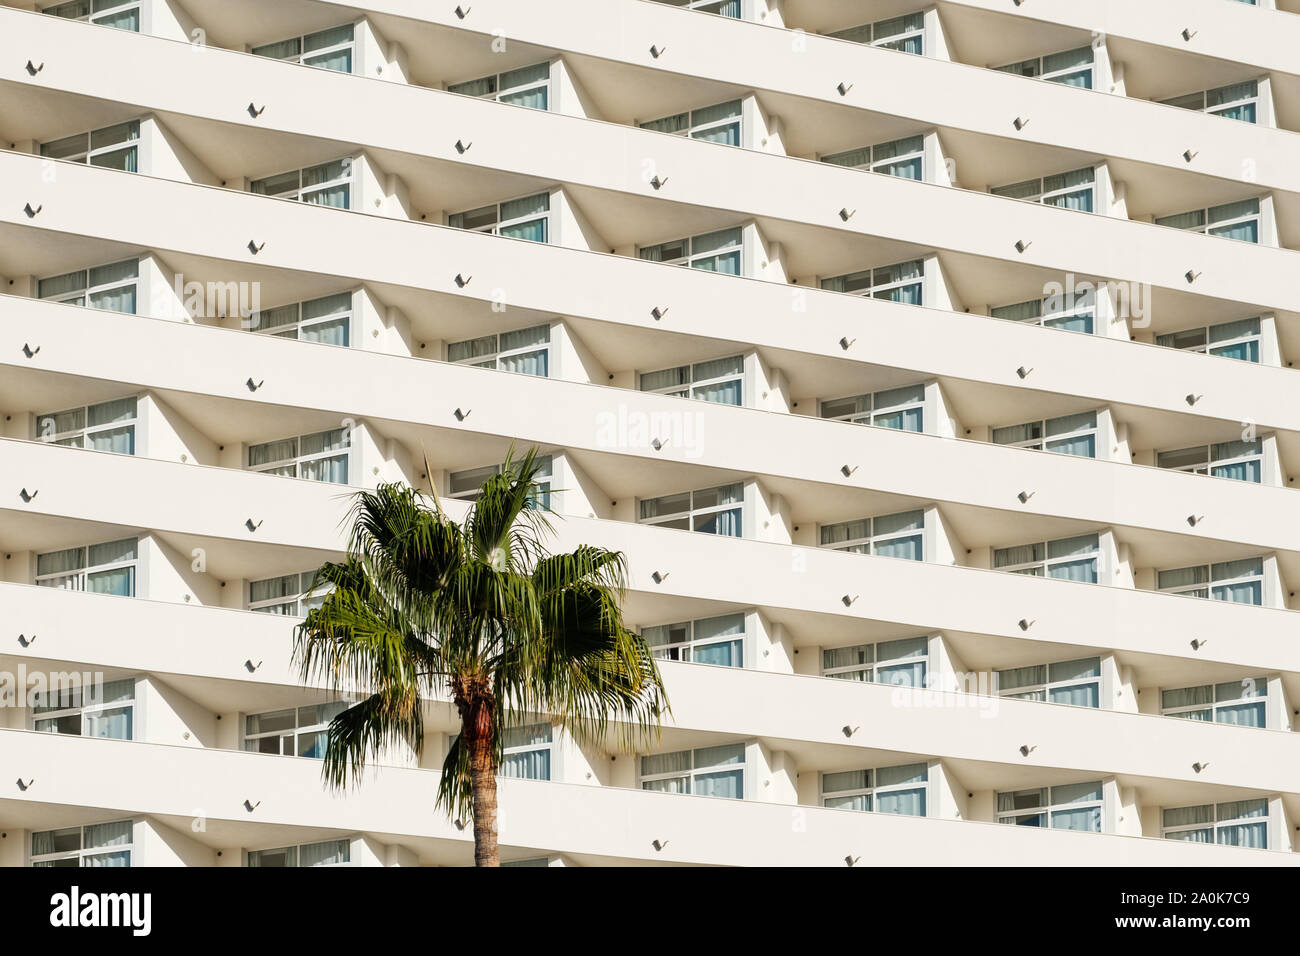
(423, 606)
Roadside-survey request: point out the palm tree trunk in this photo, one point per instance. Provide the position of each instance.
(476, 720)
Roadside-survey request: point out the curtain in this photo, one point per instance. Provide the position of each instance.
(528, 765)
(1243, 351)
(286, 449)
(1019, 312)
(329, 853)
(853, 158)
(678, 761)
(911, 674)
(527, 206)
(58, 287)
(339, 60)
(108, 834)
(333, 470)
(111, 552)
(485, 86)
(1245, 592)
(1187, 697)
(284, 50)
(462, 351)
(727, 784)
(725, 654)
(677, 123)
(1081, 446)
(859, 801)
(114, 724)
(1247, 230)
(1078, 198)
(1021, 554)
(856, 655)
(527, 363)
(120, 581)
(906, 802)
(1183, 220)
(1238, 470)
(724, 523)
(534, 230)
(1014, 677)
(1071, 323)
(721, 393)
(327, 333)
(1078, 695)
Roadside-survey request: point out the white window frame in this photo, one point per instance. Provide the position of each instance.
(493, 358)
(298, 459)
(542, 479)
(1217, 826)
(1215, 704)
(301, 56)
(869, 407)
(1205, 225)
(89, 153)
(297, 193)
(697, 515)
(1054, 76)
(497, 224)
(704, 5)
(1044, 196)
(297, 849)
(685, 648)
(692, 257)
(1210, 582)
(97, 10)
(308, 595)
(693, 771)
(249, 741)
(294, 329)
(512, 749)
(871, 670)
(693, 130)
(78, 576)
(1219, 108)
(688, 387)
(882, 290)
(1047, 684)
(1043, 439)
(83, 852)
(497, 92)
(1209, 462)
(873, 789)
(913, 27)
(86, 293)
(1215, 347)
(82, 702)
(67, 438)
(1051, 807)
(881, 165)
(872, 540)
(1051, 310)
(1045, 563)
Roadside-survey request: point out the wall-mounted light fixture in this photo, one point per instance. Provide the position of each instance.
(1024, 496)
(846, 471)
(26, 641)
(843, 88)
(658, 313)
(32, 213)
(659, 183)
(1026, 750)
(659, 577)
(29, 351)
(462, 147)
(254, 112)
(849, 601)
(657, 51)
(462, 414)
(248, 523)
(846, 213)
(1022, 244)
(33, 69)
(846, 342)
(28, 496)
(254, 386)
(254, 248)
(1020, 122)
(1025, 624)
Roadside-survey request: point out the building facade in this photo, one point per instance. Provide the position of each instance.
(930, 363)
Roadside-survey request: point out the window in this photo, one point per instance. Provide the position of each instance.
(712, 124)
(328, 853)
(1072, 313)
(327, 320)
(292, 732)
(1234, 220)
(105, 710)
(113, 147)
(99, 569)
(329, 184)
(1072, 67)
(715, 640)
(101, 844)
(891, 536)
(1240, 582)
(321, 456)
(528, 218)
(1072, 190)
(527, 752)
(1240, 702)
(1067, 435)
(1077, 683)
(289, 594)
(1241, 460)
(122, 14)
(108, 426)
(706, 772)
(1237, 823)
(1075, 806)
(897, 283)
(1238, 340)
(1066, 559)
(712, 252)
(111, 287)
(527, 86)
(723, 8)
(901, 408)
(718, 380)
(466, 485)
(903, 158)
(901, 662)
(884, 790)
(1238, 101)
(526, 351)
(906, 33)
(328, 49)
(711, 511)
